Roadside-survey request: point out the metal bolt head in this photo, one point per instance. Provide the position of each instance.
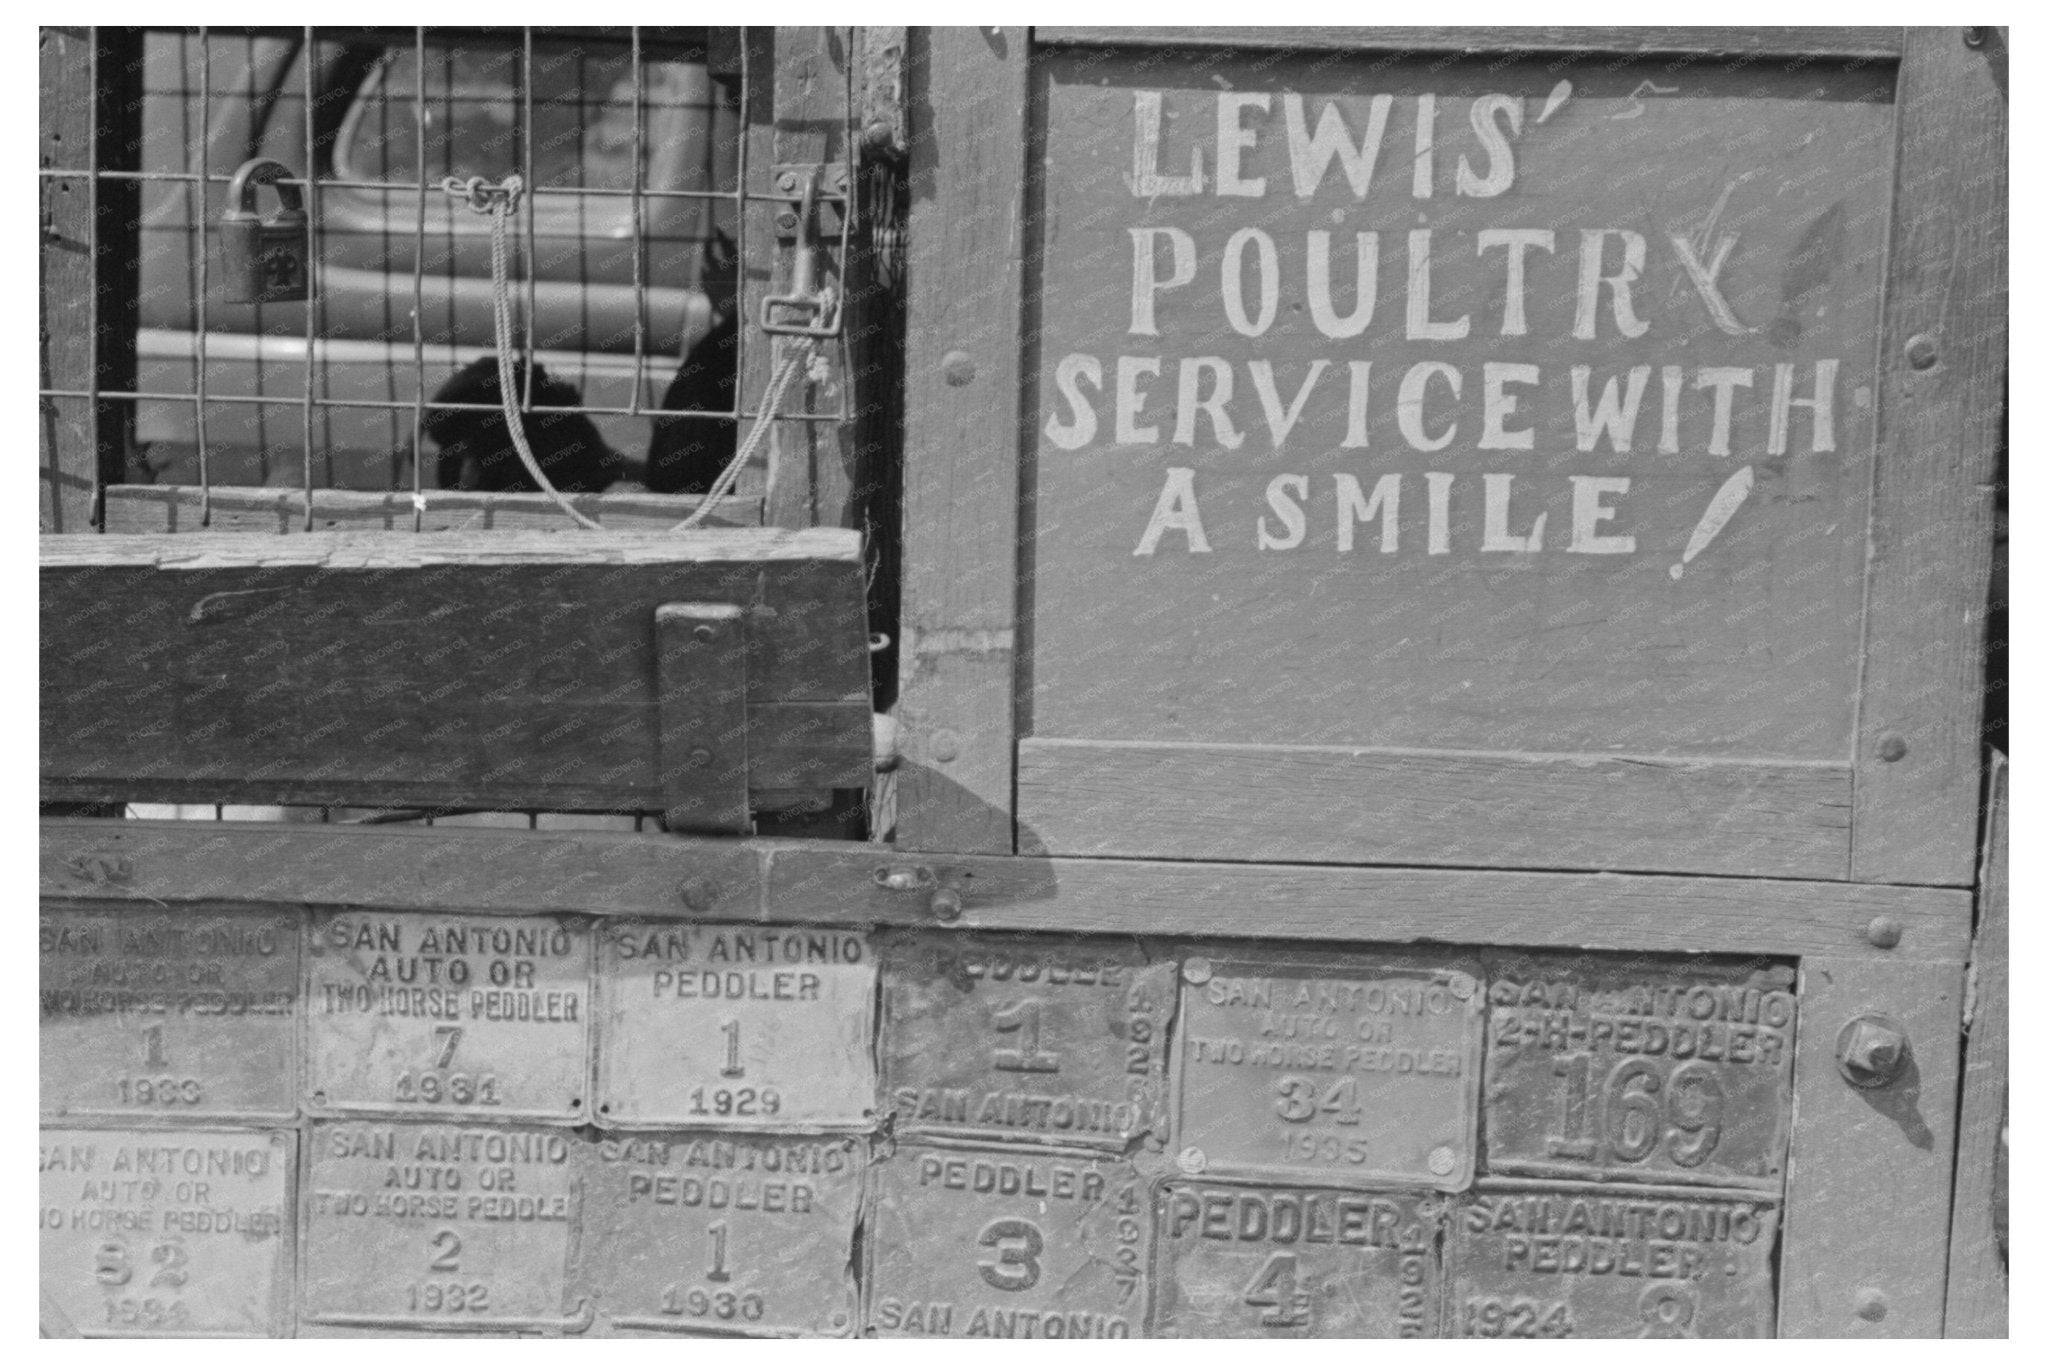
(1883, 932)
(700, 758)
(1442, 1160)
(785, 221)
(1921, 352)
(1871, 1305)
(786, 181)
(1975, 37)
(1196, 971)
(1192, 1160)
(958, 367)
(1891, 748)
(945, 746)
(698, 893)
(946, 904)
(706, 632)
(1870, 1051)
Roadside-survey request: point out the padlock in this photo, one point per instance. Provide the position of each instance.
(265, 259)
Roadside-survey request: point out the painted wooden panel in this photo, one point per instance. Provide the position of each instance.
(1454, 406)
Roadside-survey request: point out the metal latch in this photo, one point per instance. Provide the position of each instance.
(817, 307)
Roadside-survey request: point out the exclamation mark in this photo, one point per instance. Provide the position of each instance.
(1727, 498)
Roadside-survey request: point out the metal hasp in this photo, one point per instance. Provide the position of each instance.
(266, 259)
(820, 307)
(701, 672)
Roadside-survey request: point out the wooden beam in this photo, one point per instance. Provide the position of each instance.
(159, 509)
(961, 435)
(1710, 40)
(1598, 811)
(833, 882)
(481, 669)
(1941, 371)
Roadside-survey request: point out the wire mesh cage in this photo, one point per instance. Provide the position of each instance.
(626, 244)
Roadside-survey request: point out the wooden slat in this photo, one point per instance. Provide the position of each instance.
(1246, 803)
(1867, 1196)
(1977, 1274)
(67, 430)
(159, 509)
(967, 139)
(833, 882)
(486, 669)
(701, 662)
(1714, 40)
(1932, 507)
(813, 483)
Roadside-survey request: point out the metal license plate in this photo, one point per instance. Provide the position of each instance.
(1238, 1262)
(970, 1243)
(441, 1227)
(1329, 1069)
(147, 1013)
(1618, 1068)
(735, 1026)
(165, 1234)
(1590, 1261)
(1027, 1039)
(723, 1233)
(470, 1014)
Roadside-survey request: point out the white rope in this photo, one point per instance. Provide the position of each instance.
(498, 204)
(798, 357)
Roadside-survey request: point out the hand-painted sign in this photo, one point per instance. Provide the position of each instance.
(1493, 392)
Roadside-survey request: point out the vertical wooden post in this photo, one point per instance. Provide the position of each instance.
(964, 333)
(814, 483)
(1940, 369)
(89, 259)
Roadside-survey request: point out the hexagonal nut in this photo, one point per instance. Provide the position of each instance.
(1871, 1050)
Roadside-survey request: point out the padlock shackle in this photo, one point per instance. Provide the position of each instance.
(263, 170)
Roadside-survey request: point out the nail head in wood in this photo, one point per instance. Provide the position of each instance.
(1891, 747)
(1921, 352)
(1883, 932)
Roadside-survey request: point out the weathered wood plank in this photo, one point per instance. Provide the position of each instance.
(813, 482)
(67, 430)
(159, 509)
(473, 669)
(831, 882)
(967, 153)
(1866, 1206)
(701, 662)
(1249, 802)
(1941, 367)
(1977, 1258)
(1707, 40)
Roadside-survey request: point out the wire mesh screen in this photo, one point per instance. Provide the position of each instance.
(626, 253)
